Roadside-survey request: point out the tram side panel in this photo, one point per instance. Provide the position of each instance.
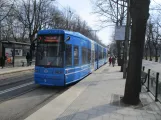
(78, 71)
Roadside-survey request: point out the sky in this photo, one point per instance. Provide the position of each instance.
(84, 9)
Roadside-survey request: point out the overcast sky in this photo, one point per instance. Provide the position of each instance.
(84, 9)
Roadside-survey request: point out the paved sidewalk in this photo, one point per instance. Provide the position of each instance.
(97, 98)
(15, 69)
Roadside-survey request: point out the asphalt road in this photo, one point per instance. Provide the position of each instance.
(23, 97)
(24, 105)
(15, 77)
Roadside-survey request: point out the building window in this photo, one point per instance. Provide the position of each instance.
(68, 55)
(76, 55)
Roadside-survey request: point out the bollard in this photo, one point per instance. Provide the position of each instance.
(148, 80)
(156, 90)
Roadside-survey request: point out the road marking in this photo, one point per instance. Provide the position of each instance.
(15, 88)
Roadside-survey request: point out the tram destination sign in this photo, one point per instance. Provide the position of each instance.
(50, 39)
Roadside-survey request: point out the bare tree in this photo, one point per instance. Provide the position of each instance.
(111, 11)
(33, 15)
(139, 10)
(149, 38)
(153, 37)
(28, 17)
(5, 8)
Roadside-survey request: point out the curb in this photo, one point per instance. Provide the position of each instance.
(16, 71)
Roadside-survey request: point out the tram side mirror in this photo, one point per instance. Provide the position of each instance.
(68, 38)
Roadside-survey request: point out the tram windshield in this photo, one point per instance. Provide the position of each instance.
(49, 51)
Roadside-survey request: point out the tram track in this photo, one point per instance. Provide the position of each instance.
(21, 98)
(14, 78)
(12, 93)
(30, 101)
(41, 104)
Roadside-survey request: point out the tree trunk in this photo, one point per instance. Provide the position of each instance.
(146, 54)
(156, 55)
(139, 13)
(150, 53)
(31, 40)
(118, 53)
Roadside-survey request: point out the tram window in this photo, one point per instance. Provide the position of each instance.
(104, 54)
(68, 55)
(95, 55)
(100, 56)
(89, 55)
(84, 56)
(76, 55)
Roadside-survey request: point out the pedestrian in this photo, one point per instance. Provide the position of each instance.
(113, 61)
(3, 58)
(110, 60)
(28, 58)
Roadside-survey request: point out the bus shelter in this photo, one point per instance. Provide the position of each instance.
(14, 53)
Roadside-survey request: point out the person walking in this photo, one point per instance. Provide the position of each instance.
(113, 61)
(110, 60)
(28, 58)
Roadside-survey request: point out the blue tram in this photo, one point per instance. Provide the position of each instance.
(64, 57)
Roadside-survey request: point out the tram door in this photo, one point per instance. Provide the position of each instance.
(92, 56)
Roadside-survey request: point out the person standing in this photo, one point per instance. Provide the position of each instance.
(113, 61)
(3, 58)
(28, 58)
(110, 60)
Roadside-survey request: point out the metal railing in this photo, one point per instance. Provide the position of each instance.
(153, 83)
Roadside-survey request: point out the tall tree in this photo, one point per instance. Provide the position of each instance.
(111, 11)
(33, 14)
(139, 10)
(149, 38)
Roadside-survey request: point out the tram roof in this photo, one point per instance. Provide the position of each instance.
(61, 31)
